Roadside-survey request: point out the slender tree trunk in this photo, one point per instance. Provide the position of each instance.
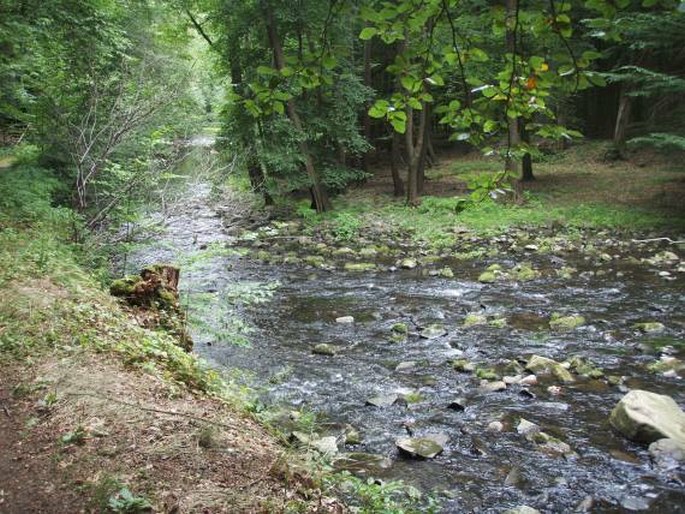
(513, 136)
(366, 119)
(395, 157)
(625, 105)
(319, 194)
(247, 132)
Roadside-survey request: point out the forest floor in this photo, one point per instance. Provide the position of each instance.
(577, 187)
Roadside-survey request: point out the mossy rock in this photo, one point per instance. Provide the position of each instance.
(487, 374)
(565, 323)
(524, 273)
(325, 349)
(487, 277)
(316, 261)
(474, 318)
(446, 272)
(400, 328)
(359, 266)
(650, 327)
(498, 322)
(463, 365)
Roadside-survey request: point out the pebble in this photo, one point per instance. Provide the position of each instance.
(345, 319)
(495, 426)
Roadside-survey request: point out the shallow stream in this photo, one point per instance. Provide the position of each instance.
(293, 307)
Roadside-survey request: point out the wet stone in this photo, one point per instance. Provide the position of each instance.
(458, 404)
(362, 463)
(643, 416)
(382, 400)
(433, 331)
(427, 447)
(325, 349)
(523, 509)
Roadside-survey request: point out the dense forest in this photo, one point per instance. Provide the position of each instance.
(342, 256)
(310, 96)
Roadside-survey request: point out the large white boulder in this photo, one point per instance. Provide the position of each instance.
(646, 417)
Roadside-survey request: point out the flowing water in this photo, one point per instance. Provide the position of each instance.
(471, 471)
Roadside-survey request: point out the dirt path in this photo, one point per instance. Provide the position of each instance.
(29, 481)
(78, 431)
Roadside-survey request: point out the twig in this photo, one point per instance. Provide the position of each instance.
(6, 410)
(671, 241)
(148, 409)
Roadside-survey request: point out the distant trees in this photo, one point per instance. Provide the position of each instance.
(319, 88)
(98, 85)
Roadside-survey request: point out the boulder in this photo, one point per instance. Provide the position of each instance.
(645, 417)
(538, 364)
(345, 319)
(667, 453)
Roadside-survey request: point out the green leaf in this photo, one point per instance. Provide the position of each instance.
(329, 62)
(379, 109)
(477, 55)
(536, 62)
(414, 103)
(279, 107)
(408, 82)
(367, 33)
(399, 125)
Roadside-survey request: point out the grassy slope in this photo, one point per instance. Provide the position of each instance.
(97, 405)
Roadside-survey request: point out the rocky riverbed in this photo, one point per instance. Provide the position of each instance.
(496, 361)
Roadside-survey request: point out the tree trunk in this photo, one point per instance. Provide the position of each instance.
(319, 194)
(366, 119)
(414, 151)
(625, 105)
(398, 185)
(527, 162)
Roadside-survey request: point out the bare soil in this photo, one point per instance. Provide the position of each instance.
(74, 430)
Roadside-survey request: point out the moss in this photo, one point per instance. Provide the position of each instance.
(400, 328)
(124, 286)
(487, 277)
(359, 266)
(487, 374)
(473, 319)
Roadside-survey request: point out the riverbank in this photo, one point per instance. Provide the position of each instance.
(100, 414)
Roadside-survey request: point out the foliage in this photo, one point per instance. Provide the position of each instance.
(125, 501)
(371, 496)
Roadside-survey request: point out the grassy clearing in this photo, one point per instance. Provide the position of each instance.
(574, 189)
